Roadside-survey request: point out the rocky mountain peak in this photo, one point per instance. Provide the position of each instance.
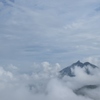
(67, 70)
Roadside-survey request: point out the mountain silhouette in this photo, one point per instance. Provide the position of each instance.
(68, 71)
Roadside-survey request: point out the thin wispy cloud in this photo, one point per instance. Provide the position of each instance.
(38, 38)
(48, 30)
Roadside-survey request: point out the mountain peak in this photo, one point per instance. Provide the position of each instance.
(67, 70)
(87, 63)
(78, 63)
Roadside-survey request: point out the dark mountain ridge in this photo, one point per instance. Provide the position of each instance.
(86, 65)
(67, 70)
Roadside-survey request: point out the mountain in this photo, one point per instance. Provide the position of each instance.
(68, 70)
(81, 91)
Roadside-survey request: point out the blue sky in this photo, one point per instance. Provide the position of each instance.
(56, 31)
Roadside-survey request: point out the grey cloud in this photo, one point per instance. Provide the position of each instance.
(55, 31)
(44, 84)
(60, 29)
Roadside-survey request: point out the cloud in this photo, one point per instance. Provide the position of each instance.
(41, 86)
(40, 31)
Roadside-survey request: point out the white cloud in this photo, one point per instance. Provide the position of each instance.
(36, 86)
(54, 31)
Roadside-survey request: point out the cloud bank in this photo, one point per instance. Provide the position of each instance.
(45, 84)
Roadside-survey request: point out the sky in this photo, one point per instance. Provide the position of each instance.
(40, 37)
(55, 31)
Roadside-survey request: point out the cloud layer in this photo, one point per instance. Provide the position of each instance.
(45, 84)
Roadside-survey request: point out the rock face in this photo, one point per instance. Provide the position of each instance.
(68, 70)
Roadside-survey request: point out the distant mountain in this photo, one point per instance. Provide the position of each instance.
(81, 91)
(68, 70)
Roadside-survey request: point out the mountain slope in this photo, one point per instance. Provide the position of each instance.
(86, 67)
(68, 70)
